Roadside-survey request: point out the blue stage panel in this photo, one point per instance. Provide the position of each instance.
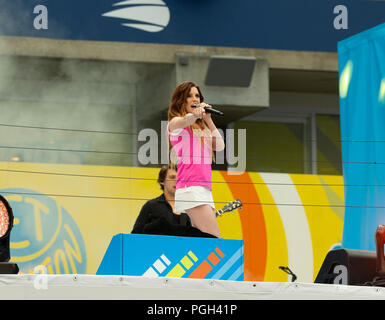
(169, 256)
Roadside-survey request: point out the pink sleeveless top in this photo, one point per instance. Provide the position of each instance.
(194, 158)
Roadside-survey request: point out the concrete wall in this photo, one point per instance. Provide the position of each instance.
(159, 53)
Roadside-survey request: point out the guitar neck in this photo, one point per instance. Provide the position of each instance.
(231, 206)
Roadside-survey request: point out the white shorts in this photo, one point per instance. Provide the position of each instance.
(191, 197)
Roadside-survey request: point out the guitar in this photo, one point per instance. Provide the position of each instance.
(231, 206)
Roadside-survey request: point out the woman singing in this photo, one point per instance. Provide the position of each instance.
(194, 136)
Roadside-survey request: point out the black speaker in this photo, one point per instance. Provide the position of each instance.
(348, 266)
(6, 219)
(4, 249)
(8, 268)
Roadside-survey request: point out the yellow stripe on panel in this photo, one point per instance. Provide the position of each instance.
(229, 223)
(324, 224)
(19, 245)
(176, 272)
(193, 256)
(334, 190)
(187, 263)
(335, 184)
(276, 240)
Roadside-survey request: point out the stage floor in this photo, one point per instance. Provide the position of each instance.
(97, 287)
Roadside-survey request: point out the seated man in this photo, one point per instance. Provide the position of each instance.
(157, 215)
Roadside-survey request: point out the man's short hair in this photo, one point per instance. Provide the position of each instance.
(163, 173)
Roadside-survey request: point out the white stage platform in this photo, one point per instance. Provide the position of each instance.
(95, 287)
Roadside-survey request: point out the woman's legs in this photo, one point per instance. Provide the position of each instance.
(203, 217)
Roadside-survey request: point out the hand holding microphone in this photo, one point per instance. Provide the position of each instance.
(209, 110)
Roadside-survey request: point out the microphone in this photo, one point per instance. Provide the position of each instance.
(210, 110)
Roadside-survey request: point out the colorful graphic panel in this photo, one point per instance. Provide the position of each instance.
(66, 216)
(177, 257)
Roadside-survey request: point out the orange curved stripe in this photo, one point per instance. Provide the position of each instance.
(253, 225)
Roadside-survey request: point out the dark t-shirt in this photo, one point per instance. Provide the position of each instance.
(155, 209)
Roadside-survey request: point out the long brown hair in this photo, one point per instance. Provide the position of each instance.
(177, 106)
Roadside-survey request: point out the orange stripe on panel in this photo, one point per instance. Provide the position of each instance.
(201, 271)
(253, 225)
(213, 259)
(220, 253)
